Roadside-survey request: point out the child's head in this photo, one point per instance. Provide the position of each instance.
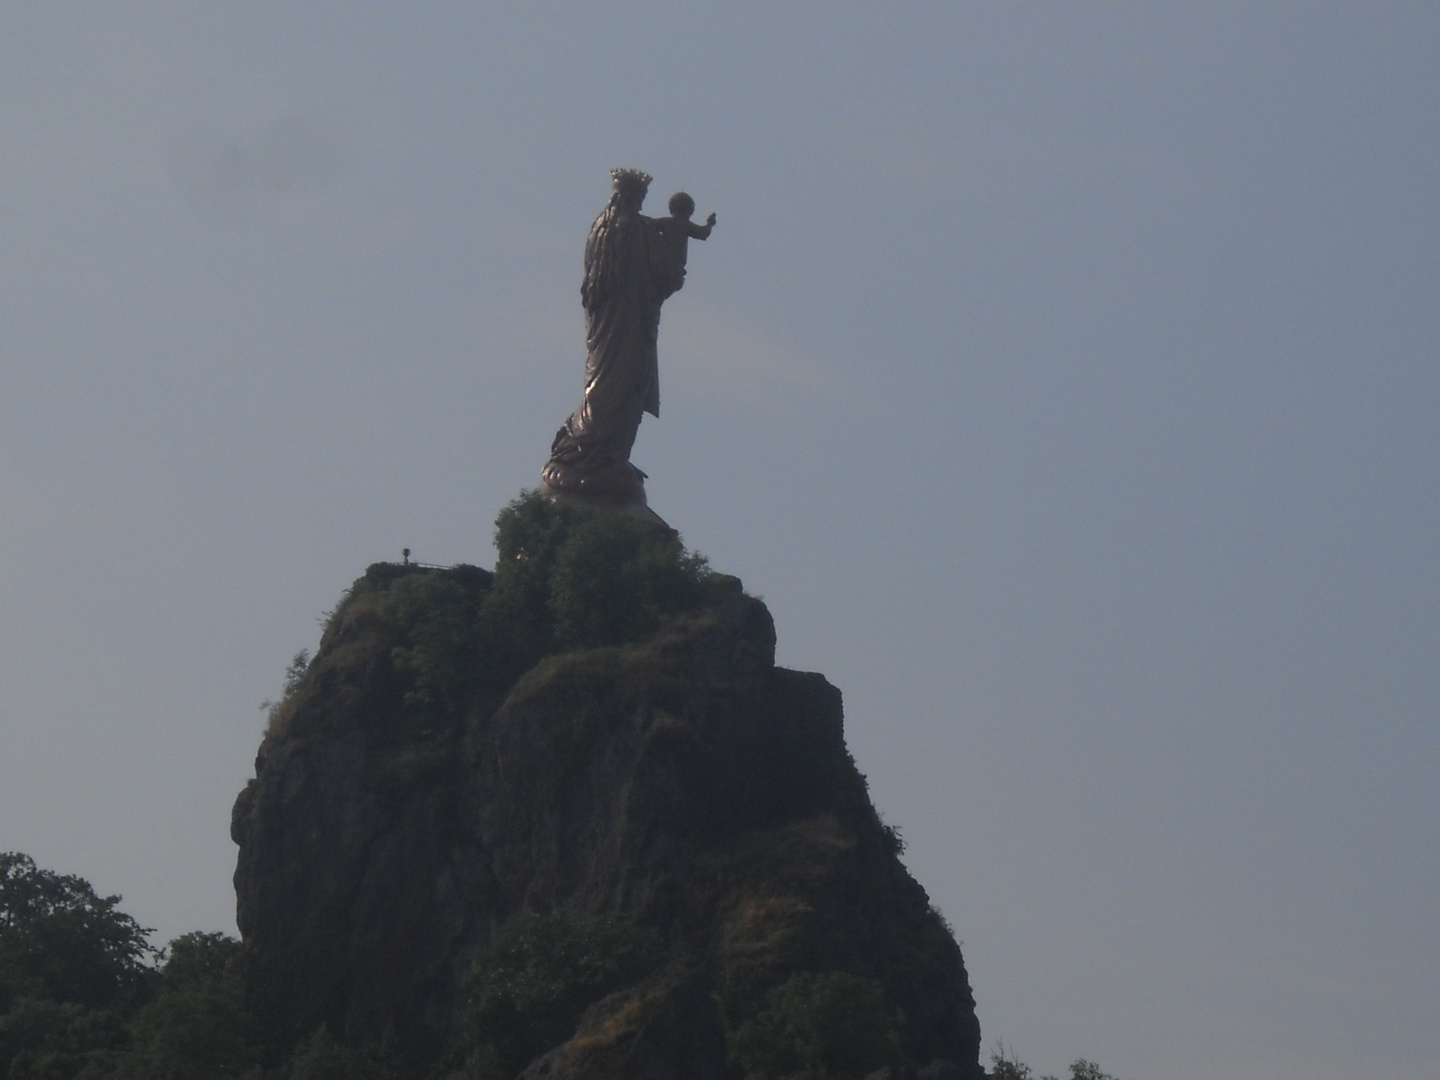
(681, 205)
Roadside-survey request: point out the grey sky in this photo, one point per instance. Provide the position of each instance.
(1064, 376)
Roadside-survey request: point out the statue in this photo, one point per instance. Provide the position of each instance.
(632, 264)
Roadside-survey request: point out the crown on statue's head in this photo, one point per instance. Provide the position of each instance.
(631, 180)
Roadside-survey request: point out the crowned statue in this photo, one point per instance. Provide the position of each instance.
(632, 264)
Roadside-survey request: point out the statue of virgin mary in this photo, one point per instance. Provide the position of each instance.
(629, 272)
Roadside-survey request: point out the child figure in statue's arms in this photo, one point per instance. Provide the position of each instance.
(677, 229)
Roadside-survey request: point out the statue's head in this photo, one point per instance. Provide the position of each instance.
(682, 205)
(630, 186)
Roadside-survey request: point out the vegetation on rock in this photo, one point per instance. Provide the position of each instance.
(530, 985)
(179, 1013)
(564, 820)
(817, 1025)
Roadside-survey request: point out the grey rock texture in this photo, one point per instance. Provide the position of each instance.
(409, 800)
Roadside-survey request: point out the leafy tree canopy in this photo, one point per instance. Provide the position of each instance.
(1006, 1066)
(569, 578)
(55, 932)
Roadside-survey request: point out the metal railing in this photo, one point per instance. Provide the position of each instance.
(405, 560)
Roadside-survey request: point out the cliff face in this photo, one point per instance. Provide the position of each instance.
(652, 858)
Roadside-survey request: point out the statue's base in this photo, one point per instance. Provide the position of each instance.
(633, 508)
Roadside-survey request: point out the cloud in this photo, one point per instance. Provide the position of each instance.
(701, 353)
(237, 177)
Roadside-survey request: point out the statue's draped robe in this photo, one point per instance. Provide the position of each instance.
(629, 271)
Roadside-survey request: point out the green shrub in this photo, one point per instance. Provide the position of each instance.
(41, 1039)
(1006, 1066)
(197, 1024)
(324, 1057)
(570, 578)
(614, 579)
(535, 979)
(817, 1026)
(436, 617)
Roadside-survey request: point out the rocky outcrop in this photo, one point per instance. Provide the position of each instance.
(411, 802)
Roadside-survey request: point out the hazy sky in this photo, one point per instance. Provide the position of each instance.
(1066, 378)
